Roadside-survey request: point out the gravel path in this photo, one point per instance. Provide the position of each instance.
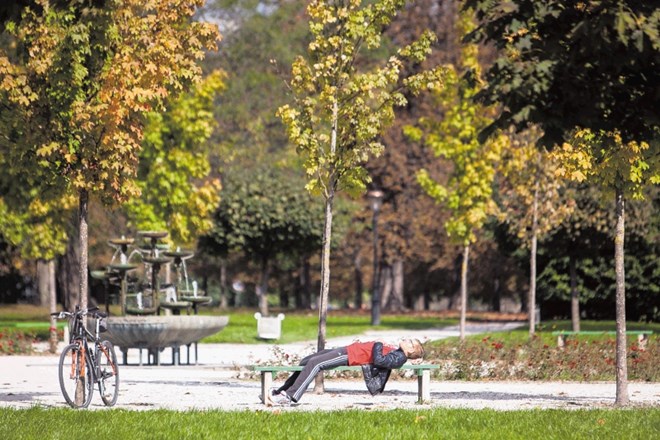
(220, 381)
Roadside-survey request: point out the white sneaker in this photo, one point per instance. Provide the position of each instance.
(281, 399)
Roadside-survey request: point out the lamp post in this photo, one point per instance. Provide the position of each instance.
(376, 200)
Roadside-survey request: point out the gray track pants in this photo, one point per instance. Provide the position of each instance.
(296, 385)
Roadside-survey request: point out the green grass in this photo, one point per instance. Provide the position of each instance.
(544, 332)
(22, 312)
(598, 326)
(38, 423)
(298, 326)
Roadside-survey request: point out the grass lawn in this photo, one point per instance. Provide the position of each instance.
(297, 326)
(303, 326)
(434, 424)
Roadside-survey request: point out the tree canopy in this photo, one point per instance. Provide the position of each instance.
(177, 193)
(76, 79)
(264, 212)
(589, 64)
(79, 79)
(339, 108)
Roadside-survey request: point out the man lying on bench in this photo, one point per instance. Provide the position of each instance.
(377, 361)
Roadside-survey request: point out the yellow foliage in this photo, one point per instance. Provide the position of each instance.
(605, 157)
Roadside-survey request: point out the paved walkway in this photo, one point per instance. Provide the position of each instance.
(221, 381)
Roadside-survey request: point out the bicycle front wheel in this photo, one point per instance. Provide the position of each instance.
(76, 376)
(108, 373)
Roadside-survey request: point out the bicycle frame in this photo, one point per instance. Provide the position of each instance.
(90, 349)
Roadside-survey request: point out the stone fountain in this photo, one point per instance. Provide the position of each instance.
(141, 325)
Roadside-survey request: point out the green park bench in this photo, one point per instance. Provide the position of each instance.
(642, 335)
(423, 372)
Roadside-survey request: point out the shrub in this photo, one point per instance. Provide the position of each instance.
(581, 360)
(15, 342)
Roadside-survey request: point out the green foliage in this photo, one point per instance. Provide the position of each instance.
(33, 225)
(75, 81)
(177, 194)
(590, 64)
(586, 237)
(468, 191)
(527, 181)
(596, 283)
(338, 112)
(251, 133)
(263, 213)
(79, 79)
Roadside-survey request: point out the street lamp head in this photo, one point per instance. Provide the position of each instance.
(375, 197)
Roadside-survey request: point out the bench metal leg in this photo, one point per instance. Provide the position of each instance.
(266, 384)
(642, 340)
(424, 386)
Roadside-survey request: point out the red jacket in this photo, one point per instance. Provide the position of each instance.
(361, 353)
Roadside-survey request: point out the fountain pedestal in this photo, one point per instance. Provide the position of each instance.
(142, 327)
(156, 333)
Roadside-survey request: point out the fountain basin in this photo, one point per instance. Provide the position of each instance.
(156, 332)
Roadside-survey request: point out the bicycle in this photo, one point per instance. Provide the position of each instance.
(87, 360)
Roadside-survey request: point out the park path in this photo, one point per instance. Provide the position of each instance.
(220, 381)
(247, 354)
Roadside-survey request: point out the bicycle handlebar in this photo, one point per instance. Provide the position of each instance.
(94, 312)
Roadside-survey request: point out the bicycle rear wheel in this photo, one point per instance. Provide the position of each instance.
(76, 376)
(108, 373)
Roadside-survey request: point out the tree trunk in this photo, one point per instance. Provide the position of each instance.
(395, 299)
(262, 287)
(68, 273)
(42, 281)
(531, 306)
(224, 300)
(292, 289)
(621, 360)
(378, 275)
(298, 293)
(497, 294)
(456, 279)
(359, 283)
(284, 288)
(575, 295)
(303, 290)
(83, 228)
(384, 286)
(52, 302)
(327, 241)
(325, 283)
(82, 273)
(464, 295)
